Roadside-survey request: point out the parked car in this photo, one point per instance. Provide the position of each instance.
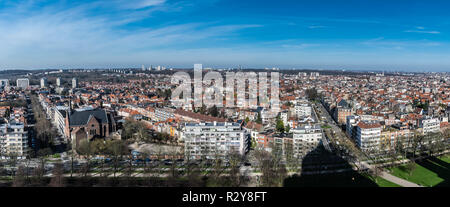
(168, 162)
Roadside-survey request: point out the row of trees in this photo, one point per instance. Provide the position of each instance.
(43, 129)
(122, 169)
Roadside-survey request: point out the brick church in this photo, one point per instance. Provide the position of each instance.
(89, 124)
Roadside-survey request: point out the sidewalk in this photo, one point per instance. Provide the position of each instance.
(398, 180)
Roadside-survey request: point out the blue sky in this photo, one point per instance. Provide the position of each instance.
(346, 34)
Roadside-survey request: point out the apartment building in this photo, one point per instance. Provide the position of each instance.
(368, 135)
(302, 110)
(44, 82)
(284, 115)
(342, 110)
(350, 125)
(430, 125)
(14, 140)
(23, 83)
(74, 83)
(211, 139)
(59, 120)
(306, 139)
(162, 114)
(390, 136)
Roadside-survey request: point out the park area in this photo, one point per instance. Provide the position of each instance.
(430, 172)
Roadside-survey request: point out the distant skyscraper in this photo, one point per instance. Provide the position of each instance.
(198, 67)
(44, 82)
(143, 67)
(23, 83)
(74, 83)
(58, 82)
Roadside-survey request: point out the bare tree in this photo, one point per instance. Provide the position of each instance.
(20, 179)
(87, 150)
(410, 167)
(116, 149)
(57, 179)
(192, 171)
(273, 171)
(236, 179)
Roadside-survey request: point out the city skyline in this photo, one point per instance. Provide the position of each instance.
(352, 35)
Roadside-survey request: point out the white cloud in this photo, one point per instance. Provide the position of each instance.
(421, 31)
(316, 27)
(381, 42)
(55, 36)
(139, 4)
(301, 46)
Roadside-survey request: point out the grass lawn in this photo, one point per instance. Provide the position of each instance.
(345, 179)
(381, 182)
(445, 158)
(385, 183)
(428, 173)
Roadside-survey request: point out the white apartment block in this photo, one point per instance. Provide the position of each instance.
(430, 125)
(162, 114)
(302, 110)
(44, 82)
(59, 120)
(214, 139)
(13, 140)
(306, 139)
(74, 83)
(58, 82)
(368, 135)
(23, 83)
(284, 115)
(314, 74)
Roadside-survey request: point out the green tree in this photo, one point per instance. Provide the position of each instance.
(280, 126)
(213, 111)
(258, 118)
(288, 128)
(247, 120)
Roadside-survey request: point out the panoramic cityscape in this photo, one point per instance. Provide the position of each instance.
(156, 93)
